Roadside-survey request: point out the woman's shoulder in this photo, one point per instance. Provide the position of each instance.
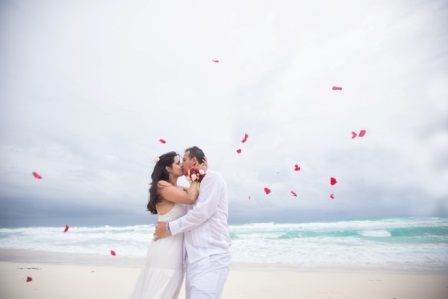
(163, 183)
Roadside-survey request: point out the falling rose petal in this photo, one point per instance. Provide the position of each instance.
(332, 196)
(293, 193)
(267, 190)
(162, 141)
(354, 135)
(238, 151)
(362, 133)
(245, 138)
(215, 60)
(333, 181)
(336, 88)
(249, 197)
(296, 167)
(36, 175)
(113, 253)
(66, 228)
(29, 279)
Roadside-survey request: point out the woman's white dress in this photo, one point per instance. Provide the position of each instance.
(163, 273)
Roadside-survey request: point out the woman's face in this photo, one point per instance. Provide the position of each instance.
(176, 167)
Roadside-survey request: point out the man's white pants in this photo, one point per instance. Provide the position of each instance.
(205, 278)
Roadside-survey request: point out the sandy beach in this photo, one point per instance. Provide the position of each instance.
(88, 276)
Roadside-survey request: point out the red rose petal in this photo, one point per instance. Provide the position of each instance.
(29, 279)
(336, 88)
(333, 181)
(296, 167)
(238, 151)
(162, 141)
(245, 138)
(362, 133)
(113, 253)
(354, 135)
(293, 193)
(267, 190)
(36, 175)
(215, 60)
(66, 228)
(332, 196)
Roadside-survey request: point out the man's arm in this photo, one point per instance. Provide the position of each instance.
(206, 205)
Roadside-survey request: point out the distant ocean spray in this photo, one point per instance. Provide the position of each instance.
(404, 243)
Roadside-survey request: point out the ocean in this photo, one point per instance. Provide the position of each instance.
(396, 243)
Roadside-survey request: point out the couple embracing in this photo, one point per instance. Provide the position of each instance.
(191, 234)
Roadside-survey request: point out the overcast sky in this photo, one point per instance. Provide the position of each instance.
(88, 88)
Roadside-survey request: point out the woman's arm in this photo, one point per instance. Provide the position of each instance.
(176, 194)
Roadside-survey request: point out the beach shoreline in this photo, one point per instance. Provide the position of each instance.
(107, 260)
(62, 275)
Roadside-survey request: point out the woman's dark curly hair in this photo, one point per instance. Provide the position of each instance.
(159, 173)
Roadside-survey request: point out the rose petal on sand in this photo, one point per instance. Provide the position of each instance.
(245, 138)
(113, 253)
(296, 167)
(66, 228)
(332, 196)
(293, 193)
(162, 141)
(333, 181)
(362, 133)
(267, 190)
(238, 151)
(336, 88)
(29, 279)
(36, 175)
(215, 60)
(354, 135)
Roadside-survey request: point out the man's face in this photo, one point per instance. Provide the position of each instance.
(187, 163)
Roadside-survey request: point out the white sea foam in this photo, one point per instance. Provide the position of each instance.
(375, 233)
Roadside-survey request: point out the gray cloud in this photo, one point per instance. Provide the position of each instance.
(87, 90)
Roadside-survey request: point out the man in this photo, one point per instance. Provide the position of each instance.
(206, 233)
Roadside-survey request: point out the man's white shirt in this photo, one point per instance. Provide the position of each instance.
(205, 225)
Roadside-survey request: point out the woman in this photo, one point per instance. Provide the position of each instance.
(163, 274)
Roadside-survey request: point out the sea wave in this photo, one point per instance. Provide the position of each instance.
(422, 241)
